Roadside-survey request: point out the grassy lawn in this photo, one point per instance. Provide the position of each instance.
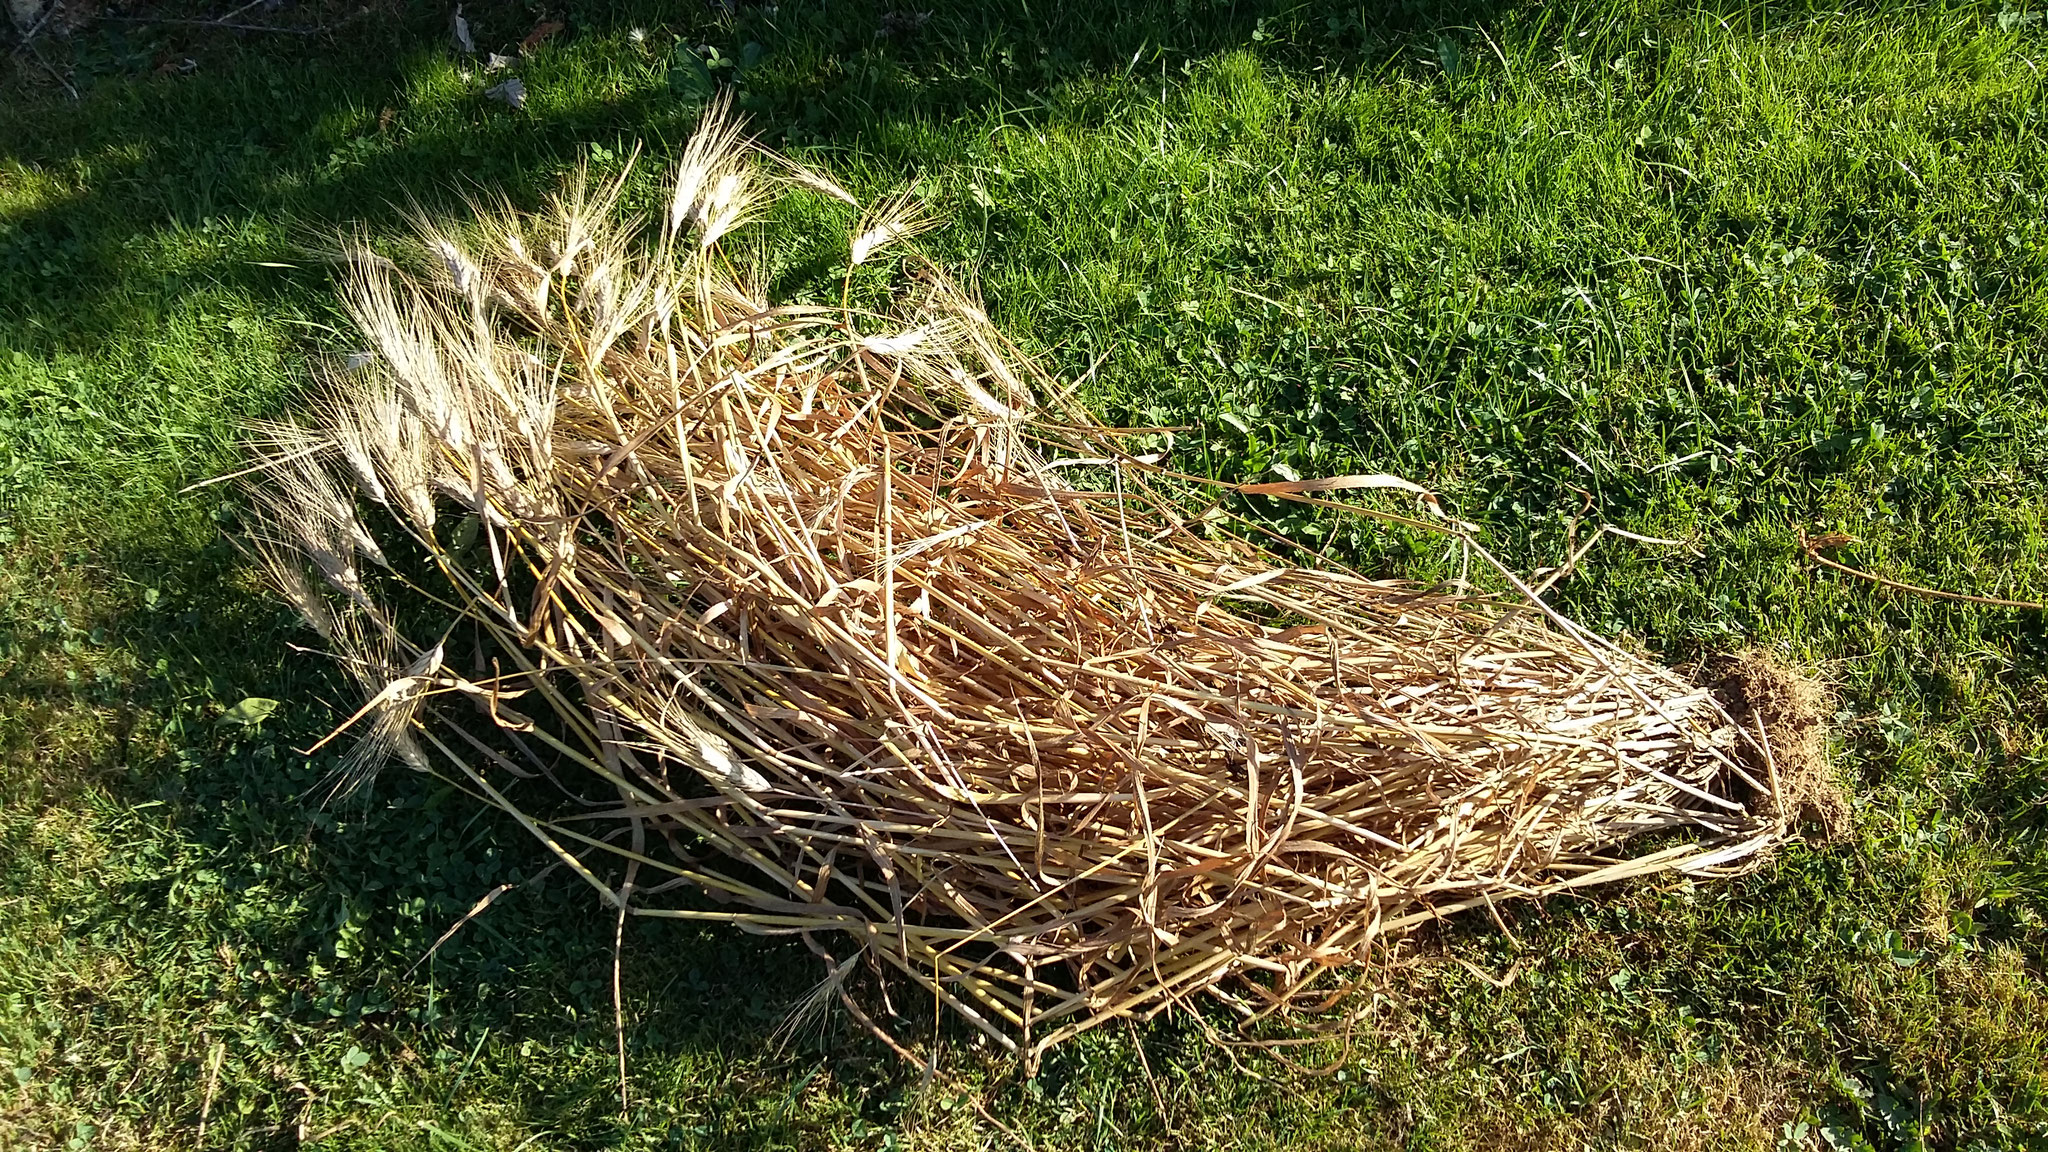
(1716, 274)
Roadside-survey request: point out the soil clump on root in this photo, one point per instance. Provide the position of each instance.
(1789, 708)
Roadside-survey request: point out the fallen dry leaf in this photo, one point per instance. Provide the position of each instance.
(512, 92)
(541, 32)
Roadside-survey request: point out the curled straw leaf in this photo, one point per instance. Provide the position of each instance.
(898, 650)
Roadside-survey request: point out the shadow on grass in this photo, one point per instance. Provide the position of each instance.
(271, 140)
(205, 896)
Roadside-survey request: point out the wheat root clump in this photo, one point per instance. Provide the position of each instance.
(848, 624)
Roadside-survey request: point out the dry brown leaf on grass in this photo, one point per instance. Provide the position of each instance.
(892, 645)
(543, 30)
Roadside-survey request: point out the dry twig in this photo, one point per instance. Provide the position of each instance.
(1813, 548)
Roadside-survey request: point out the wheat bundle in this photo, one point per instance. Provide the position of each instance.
(865, 633)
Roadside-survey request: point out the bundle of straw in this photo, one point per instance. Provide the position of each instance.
(865, 634)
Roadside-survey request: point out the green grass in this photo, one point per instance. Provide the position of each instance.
(1726, 273)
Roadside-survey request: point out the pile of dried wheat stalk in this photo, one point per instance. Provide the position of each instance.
(866, 635)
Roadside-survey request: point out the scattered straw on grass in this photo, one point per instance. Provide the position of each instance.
(864, 634)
